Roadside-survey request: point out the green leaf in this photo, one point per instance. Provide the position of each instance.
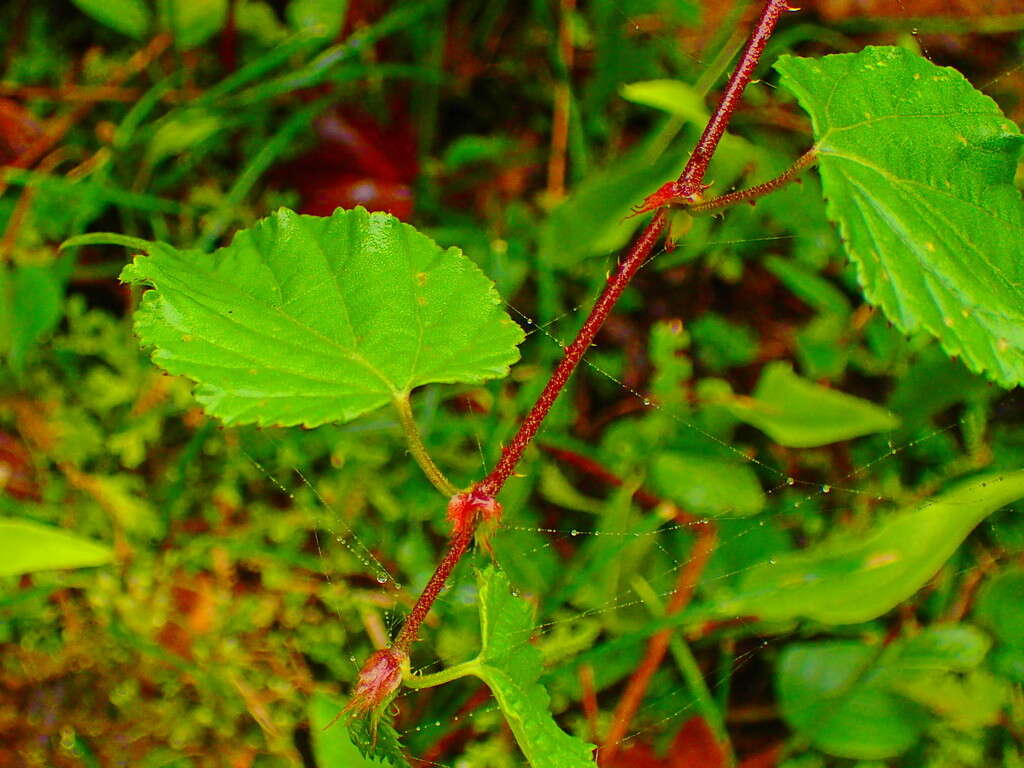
(193, 22)
(182, 132)
(798, 413)
(672, 96)
(26, 546)
(707, 486)
(376, 740)
(307, 320)
(333, 747)
(918, 170)
(129, 17)
(33, 304)
(857, 577)
(831, 693)
(323, 18)
(856, 700)
(1000, 607)
(595, 220)
(511, 667)
(722, 344)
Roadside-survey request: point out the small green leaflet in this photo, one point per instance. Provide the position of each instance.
(798, 413)
(511, 667)
(860, 576)
(708, 486)
(27, 546)
(307, 319)
(333, 745)
(918, 167)
(871, 702)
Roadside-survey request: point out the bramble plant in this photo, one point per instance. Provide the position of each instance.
(305, 321)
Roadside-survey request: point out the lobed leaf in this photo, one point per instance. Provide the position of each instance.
(858, 577)
(918, 169)
(307, 319)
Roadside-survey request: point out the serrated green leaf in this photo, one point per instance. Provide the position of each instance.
(859, 577)
(918, 170)
(129, 17)
(708, 486)
(512, 667)
(798, 413)
(27, 546)
(307, 320)
(377, 741)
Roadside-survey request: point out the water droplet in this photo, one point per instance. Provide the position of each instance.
(574, 532)
(826, 489)
(382, 578)
(790, 481)
(646, 401)
(771, 561)
(352, 659)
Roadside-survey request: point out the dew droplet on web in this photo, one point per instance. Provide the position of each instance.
(790, 481)
(646, 401)
(382, 578)
(574, 532)
(826, 489)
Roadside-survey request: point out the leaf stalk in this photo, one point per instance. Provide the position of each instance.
(419, 451)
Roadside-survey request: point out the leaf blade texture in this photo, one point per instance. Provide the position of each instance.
(917, 167)
(308, 320)
(512, 667)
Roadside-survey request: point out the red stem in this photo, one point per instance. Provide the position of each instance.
(456, 549)
(692, 177)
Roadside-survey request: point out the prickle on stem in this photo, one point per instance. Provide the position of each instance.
(671, 193)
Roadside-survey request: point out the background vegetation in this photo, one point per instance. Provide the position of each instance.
(254, 570)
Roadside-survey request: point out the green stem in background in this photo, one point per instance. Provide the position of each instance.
(698, 687)
(805, 161)
(464, 669)
(418, 450)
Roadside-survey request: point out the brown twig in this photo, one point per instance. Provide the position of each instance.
(58, 127)
(657, 645)
(560, 114)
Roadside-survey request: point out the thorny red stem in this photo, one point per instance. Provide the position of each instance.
(691, 178)
(456, 548)
(693, 175)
